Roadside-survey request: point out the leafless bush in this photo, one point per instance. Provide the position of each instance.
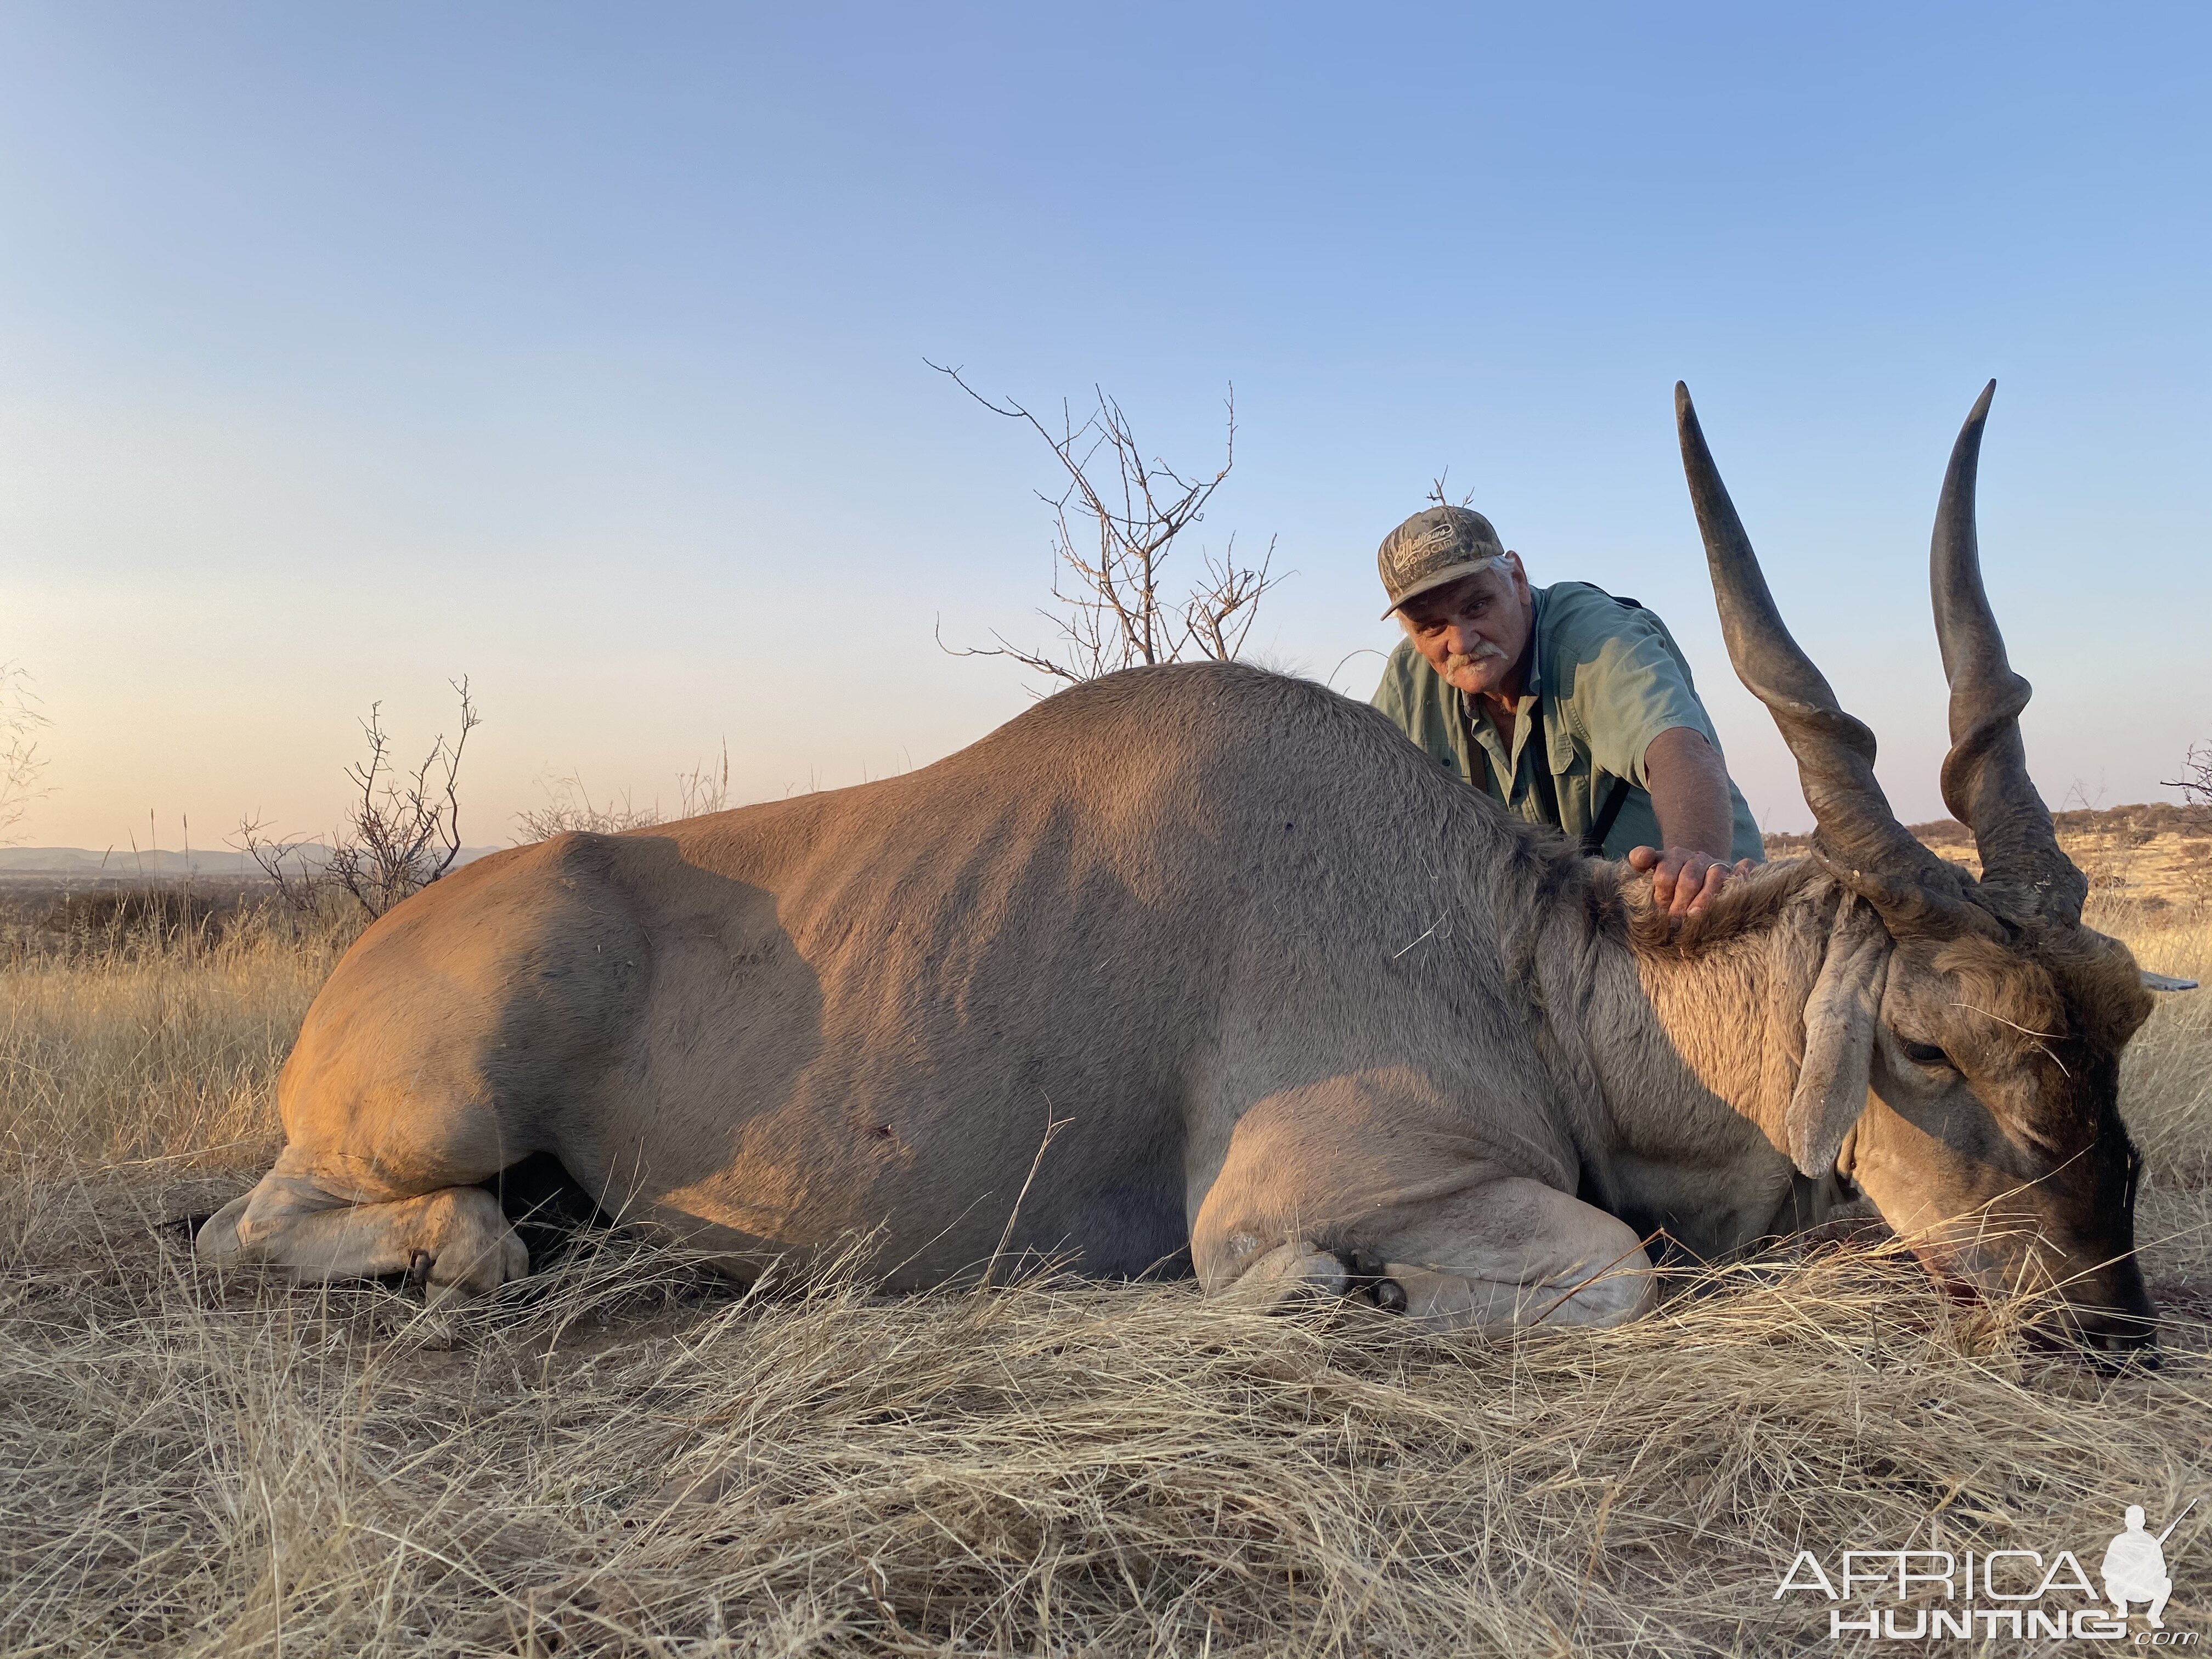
(706, 787)
(2196, 786)
(1114, 525)
(568, 804)
(402, 832)
(569, 807)
(21, 764)
(294, 865)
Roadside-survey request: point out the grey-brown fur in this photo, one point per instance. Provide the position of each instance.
(1141, 907)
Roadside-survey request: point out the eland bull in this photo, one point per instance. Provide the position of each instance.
(1201, 963)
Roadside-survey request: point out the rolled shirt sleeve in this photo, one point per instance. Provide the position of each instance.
(1619, 680)
(1627, 689)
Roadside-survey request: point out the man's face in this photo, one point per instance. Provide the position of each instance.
(1473, 631)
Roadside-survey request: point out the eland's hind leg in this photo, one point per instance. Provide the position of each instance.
(451, 1237)
(453, 1040)
(383, 1141)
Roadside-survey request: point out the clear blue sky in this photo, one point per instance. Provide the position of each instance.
(346, 348)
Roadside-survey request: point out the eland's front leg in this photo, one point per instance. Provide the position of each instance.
(1374, 1184)
(1518, 1252)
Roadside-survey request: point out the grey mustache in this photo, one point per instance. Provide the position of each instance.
(1459, 659)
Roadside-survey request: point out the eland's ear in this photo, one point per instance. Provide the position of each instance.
(1839, 1024)
(2164, 981)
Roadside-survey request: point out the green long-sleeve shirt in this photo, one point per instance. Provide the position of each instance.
(1609, 678)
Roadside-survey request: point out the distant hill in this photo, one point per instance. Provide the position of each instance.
(2155, 853)
(122, 864)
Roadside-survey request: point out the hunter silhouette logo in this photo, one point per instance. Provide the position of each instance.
(2005, 1594)
(2135, 1566)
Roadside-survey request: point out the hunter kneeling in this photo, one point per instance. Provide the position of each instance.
(1573, 708)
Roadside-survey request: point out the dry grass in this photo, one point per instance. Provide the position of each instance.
(623, 1455)
(120, 1047)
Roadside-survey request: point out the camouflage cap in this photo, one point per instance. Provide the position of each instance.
(1432, 548)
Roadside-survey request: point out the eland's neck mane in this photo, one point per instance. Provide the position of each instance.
(1675, 1051)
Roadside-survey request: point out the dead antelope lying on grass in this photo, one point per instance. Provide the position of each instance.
(1289, 1000)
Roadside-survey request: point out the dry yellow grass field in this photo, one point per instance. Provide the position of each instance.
(622, 1456)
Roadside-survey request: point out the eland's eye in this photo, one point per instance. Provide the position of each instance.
(1928, 1055)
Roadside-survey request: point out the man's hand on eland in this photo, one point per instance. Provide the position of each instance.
(1684, 881)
